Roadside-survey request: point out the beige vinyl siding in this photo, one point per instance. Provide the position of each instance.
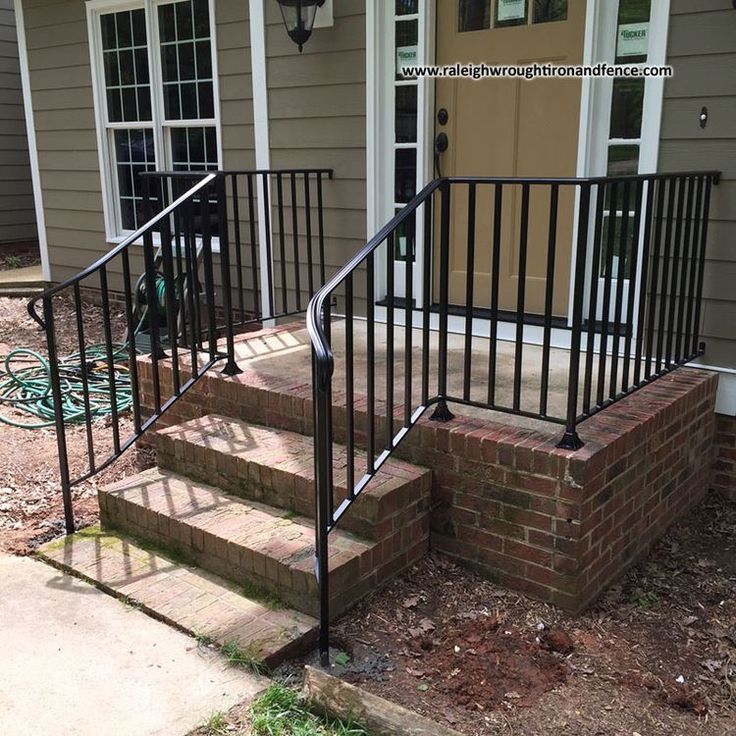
(702, 50)
(316, 109)
(17, 213)
(61, 85)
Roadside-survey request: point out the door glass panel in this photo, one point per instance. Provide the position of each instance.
(626, 108)
(406, 114)
(407, 7)
(407, 39)
(510, 13)
(474, 15)
(406, 174)
(623, 160)
(405, 238)
(633, 31)
(546, 11)
(620, 257)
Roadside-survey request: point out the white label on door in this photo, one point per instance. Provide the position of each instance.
(402, 246)
(633, 39)
(511, 10)
(405, 56)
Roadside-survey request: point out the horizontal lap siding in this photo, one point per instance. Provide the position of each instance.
(317, 118)
(17, 213)
(61, 85)
(702, 50)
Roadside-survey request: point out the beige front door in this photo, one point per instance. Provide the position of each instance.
(510, 127)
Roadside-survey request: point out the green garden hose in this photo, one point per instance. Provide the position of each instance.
(28, 388)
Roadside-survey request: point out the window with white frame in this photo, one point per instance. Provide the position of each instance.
(153, 65)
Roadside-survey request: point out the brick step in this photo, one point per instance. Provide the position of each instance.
(276, 467)
(247, 541)
(198, 602)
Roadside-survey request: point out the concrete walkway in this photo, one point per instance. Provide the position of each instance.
(21, 281)
(76, 661)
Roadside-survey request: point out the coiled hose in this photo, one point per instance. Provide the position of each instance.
(28, 388)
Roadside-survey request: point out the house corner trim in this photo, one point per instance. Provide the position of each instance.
(25, 79)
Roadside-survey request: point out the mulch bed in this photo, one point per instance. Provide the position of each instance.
(31, 509)
(655, 655)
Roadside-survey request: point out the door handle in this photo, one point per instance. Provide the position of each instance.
(441, 142)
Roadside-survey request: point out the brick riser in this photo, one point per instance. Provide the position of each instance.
(276, 467)
(557, 525)
(250, 542)
(724, 476)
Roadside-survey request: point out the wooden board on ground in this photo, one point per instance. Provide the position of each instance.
(380, 717)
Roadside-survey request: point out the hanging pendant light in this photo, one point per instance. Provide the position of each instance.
(298, 16)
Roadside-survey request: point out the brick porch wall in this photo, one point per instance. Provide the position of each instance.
(724, 468)
(561, 526)
(555, 524)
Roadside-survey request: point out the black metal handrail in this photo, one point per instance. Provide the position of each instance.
(637, 245)
(182, 303)
(299, 189)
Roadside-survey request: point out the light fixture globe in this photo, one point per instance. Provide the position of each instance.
(298, 16)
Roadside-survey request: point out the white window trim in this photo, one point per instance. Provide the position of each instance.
(108, 178)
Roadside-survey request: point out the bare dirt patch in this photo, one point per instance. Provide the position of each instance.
(31, 509)
(655, 656)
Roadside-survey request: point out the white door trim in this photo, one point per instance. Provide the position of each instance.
(380, 66)
(595, 112)
(25, 80)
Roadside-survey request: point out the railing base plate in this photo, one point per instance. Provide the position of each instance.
(442, 413)
(570, 441)
(231, 369)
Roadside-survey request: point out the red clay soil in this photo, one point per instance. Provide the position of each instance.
(479, 663)
(655, 656)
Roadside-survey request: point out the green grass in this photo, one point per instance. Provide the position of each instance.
(203, 640)
(216, 725)
(281, 712)
(646, 600)
(239, 657)
(262, 595)
(13, 262)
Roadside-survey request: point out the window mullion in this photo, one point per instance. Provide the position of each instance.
(154, 65)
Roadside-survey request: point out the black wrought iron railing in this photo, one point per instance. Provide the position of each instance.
(278, 280)
(195, 272)
(602, 278)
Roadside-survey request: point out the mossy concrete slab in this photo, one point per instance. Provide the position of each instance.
(191, 599)
(76, 662)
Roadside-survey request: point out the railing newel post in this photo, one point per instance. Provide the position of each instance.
(442, 412)
(321, 388)
(64, 477)
(231, 367)
(570, 439)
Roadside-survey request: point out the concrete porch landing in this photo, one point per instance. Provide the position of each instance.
(286, 351)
